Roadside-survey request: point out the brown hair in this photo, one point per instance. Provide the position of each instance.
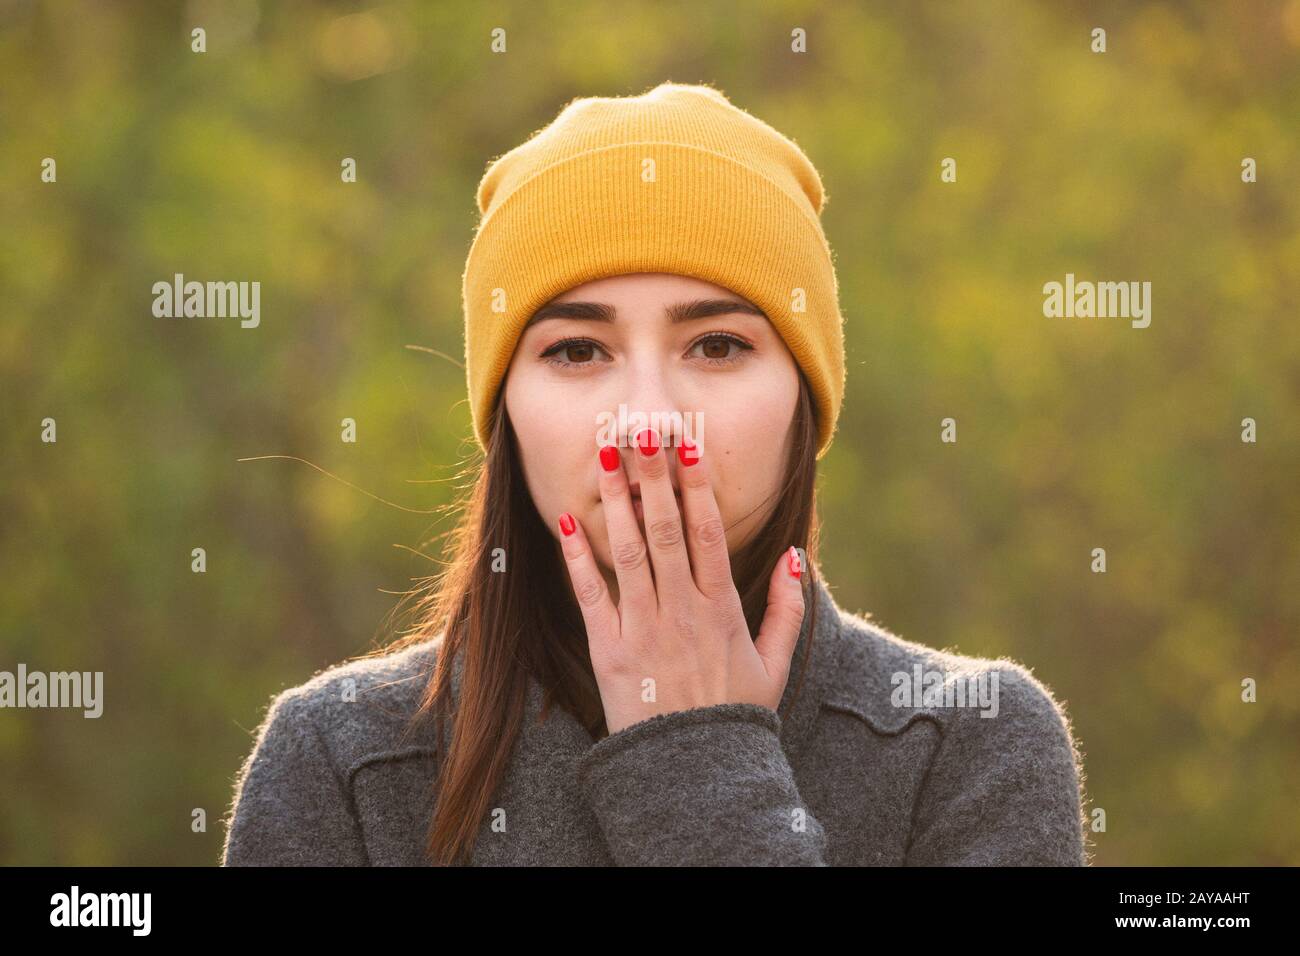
(509, 626)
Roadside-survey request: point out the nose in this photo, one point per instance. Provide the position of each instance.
(645, 396)
(650, 398)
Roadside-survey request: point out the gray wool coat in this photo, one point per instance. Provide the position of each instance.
(978, 766)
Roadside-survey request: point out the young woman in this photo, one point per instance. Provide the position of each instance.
(631, 657)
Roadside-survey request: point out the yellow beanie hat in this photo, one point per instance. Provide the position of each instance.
(675, 180)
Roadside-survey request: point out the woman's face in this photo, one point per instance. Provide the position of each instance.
(658, 344)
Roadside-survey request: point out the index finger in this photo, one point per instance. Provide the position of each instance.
(598, 611)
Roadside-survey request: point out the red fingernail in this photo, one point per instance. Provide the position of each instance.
(609, 457)
(566, 523)
(648, 441)
(687, 453)
(796, 568)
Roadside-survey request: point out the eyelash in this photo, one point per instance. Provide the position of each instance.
(724, 336)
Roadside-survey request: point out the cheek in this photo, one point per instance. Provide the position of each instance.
(556, 436)
(745, 439)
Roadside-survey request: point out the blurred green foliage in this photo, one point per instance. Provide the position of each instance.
(1073, 434)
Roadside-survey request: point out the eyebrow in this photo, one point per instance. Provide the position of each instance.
(678, 312)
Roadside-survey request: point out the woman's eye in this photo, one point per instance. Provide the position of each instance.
(571, 352)
(716, 349)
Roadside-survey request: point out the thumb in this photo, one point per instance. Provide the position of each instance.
(779, 632)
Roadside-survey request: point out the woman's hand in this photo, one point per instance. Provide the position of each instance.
(678, 640)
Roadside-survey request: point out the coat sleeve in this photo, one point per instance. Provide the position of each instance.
(709, 786)
(1002, 790)
(291, 807)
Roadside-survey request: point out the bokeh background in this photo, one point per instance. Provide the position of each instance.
(1073, 434)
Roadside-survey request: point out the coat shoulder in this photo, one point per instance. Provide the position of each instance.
(879, 669)
(365, 708)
